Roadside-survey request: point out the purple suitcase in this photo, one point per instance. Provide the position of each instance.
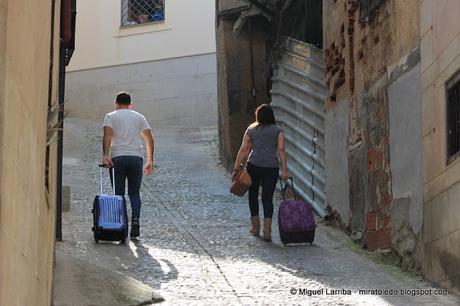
(295, 220)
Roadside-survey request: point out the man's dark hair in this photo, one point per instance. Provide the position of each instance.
(264, 115)
(123, 98)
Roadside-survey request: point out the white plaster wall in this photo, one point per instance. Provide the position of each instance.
(189, 29)
(180, 91)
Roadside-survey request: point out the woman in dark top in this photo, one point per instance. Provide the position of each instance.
(263, 148)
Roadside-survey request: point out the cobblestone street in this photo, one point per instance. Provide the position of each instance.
(195, 247)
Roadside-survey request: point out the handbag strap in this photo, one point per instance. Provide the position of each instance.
(283, 189)
(243, 165)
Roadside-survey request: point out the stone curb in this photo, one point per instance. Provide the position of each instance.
(78, 282)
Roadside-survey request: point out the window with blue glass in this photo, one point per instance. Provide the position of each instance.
(134, 12)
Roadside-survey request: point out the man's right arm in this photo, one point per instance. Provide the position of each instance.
(107, 140)
(150, 143)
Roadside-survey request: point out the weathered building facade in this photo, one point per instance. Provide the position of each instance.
(440, 64)
(29, 64)
(373, 122)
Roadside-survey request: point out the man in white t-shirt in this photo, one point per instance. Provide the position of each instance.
(124, 129)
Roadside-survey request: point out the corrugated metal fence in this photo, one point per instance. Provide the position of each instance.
(298, 95)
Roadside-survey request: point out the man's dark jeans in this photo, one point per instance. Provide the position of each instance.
(129, 167)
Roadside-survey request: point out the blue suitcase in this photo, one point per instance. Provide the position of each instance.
(109, 215)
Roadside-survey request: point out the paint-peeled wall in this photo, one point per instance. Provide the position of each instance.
(405, 132)
(27, 212)
(368, 60)
(337, 176)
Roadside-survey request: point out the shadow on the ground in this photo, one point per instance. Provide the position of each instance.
(188, 200)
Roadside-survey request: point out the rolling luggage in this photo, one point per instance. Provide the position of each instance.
(109, 215)
(295, 219)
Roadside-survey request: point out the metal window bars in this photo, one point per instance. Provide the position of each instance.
(453, 122)
(135, 12)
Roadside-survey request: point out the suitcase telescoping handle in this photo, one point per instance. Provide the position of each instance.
(113, 176)
(283, 189)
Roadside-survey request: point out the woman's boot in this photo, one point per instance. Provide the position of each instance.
(255, 222)
(268, 229)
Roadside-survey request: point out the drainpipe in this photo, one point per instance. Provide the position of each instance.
(60, 144)
(68, 16)
(251, 54)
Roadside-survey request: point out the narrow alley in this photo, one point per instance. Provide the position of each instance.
(195, 247)
(357, 100)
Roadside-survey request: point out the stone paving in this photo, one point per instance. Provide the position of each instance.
(195, 247)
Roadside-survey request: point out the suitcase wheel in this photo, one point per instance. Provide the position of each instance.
(123, 241)
(97, 240)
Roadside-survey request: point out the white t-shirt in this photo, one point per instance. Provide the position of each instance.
(127, 127)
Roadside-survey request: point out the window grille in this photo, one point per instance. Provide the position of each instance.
(453, 120)
(369, 7)
(142, 11)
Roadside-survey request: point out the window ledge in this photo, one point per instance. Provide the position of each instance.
(451, 159)
(142, 28)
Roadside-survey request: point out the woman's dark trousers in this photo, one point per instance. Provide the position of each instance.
(267, 177)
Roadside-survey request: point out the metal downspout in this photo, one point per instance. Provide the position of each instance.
(68, 9)
(60, 144)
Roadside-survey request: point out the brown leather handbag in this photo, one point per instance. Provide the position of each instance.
(242, 182)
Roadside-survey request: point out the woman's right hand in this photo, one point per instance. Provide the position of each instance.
(234, 174)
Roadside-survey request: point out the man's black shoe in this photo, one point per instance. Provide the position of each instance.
(134, 228)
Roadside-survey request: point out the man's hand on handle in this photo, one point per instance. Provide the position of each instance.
(148, 169)
(106, 161)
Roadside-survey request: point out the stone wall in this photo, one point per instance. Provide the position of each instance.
(440, 61)
(27, 214)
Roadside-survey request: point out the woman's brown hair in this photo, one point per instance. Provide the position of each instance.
(264, 115)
